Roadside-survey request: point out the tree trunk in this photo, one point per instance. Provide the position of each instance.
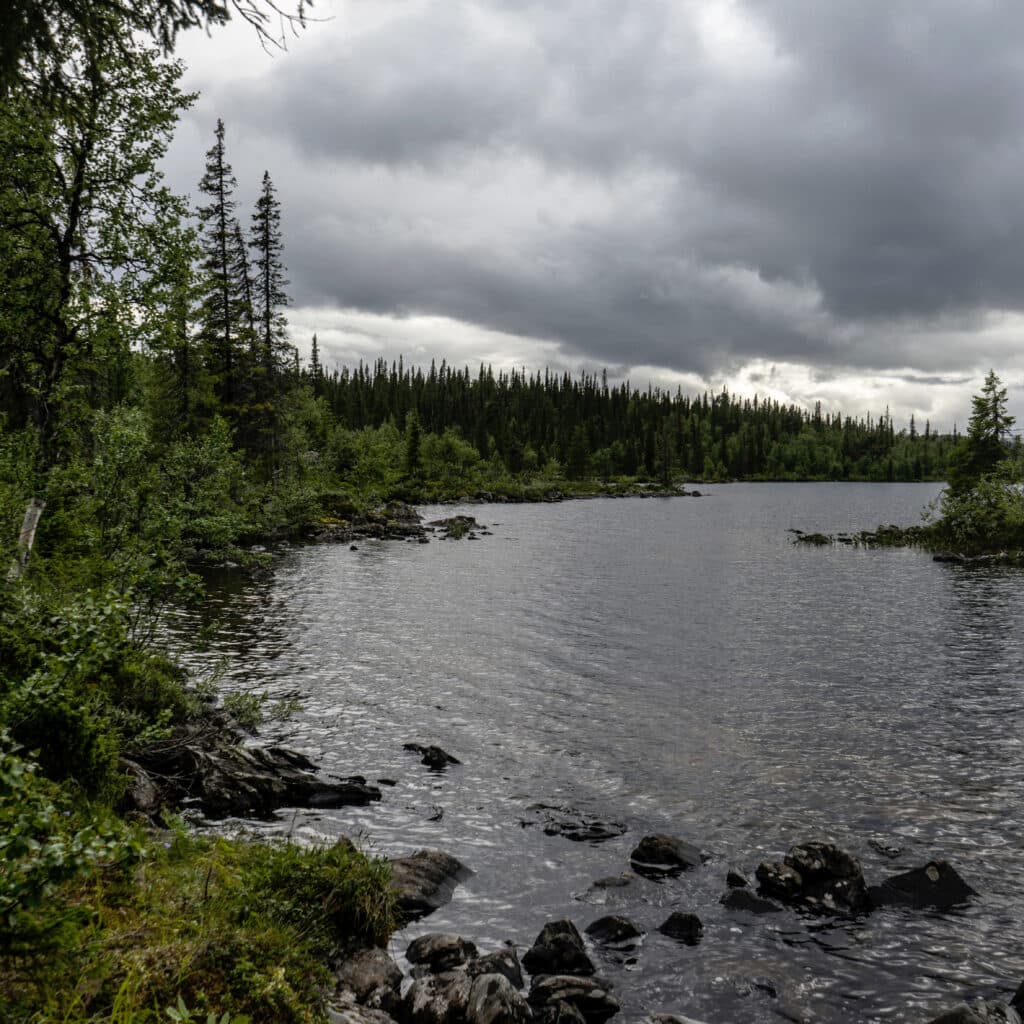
(26, 538)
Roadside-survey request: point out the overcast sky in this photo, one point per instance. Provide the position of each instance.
(805, 199)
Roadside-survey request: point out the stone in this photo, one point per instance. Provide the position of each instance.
(439, 952)
(343, 1009)
(558, 949)
(433, 757)
(494, 1000)
(373, 979)
(744, 899)
(501, 961)
(937, 884)
(819, 877)
(686, 928)
(591, 998)
(437, 999)
(661, 856)
(736, 879)
(142, 794)
(1017, 1002)
(614, 881)
(613, 929)
(424, 881)
(456, 527)
(571, 824)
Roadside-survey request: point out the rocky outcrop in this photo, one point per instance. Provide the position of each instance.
(661, 856)
(558, 949)
(818, 877)
(936, 884)
(425, 881)
(571, 824)
(206, 764)
(342, 523)
(456, 527)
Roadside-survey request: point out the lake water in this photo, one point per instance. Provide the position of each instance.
(680, 666)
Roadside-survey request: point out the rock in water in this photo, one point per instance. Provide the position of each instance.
(613, 929)
(439, 952)
(979, 1013)
(661, 856)
(494, 1000)
(437, 999)
(744, 899)
(425, 881)
(434, 758)
(558, 949)
(819, 877)
(571, 824)
(590, 998)
(501, 961)
(935, 885)
(687, 928)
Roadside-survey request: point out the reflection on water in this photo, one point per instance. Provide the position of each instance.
(682, 667)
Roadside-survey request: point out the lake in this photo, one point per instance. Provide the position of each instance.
(679, 666)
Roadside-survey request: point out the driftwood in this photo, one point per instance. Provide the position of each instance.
(26, 538)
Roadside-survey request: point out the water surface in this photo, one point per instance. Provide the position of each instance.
(680, 666)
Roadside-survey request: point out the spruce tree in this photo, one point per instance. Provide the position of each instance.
(270, 297)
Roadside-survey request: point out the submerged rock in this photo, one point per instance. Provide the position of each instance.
(819, 877)
(661, 856)
(744, 899)
(979, 1013)
(558, 949)
(936, 884)
(425, 881)
(571, 824)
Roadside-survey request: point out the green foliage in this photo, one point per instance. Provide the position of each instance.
(986, 447)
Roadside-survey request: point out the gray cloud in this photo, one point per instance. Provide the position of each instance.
(687, 185)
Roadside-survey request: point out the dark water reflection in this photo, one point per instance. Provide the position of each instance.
(679, 666)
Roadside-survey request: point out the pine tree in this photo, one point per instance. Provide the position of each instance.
(219, 307)
(270, 281)
(987, 441)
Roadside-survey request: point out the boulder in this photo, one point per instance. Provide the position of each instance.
(819, 877)
(558, 949)
(456, 527)
(661, 856)
(439, 952)
(736, 879)
(501, 961)
(373, 979)
(494, 1000)
(685, 928)
(571, 824)
(434, 758)
(613, 929)
(590, 998)
(744, 899)
(936, 884)
(343, 1009)
(424, 881)
(437, 999)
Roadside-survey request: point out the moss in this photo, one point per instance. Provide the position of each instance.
(236, 927)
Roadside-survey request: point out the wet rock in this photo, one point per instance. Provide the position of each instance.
(936, 884)
(744, 899)
(437, 999)
(433, 757)
(494, 1000)
(558, 949)
(439, 952)
(570, 823)
(373, 979)
(590, 998)
(343, 1009)
(661, 856)
(1017, 1002)
(614, 881)
(456, 527)
(979, 1013)
(425, 881)
(501, 961)
(884, 848)
(686, 928)
(205, 764)
(819, 877)
(668, 1018)
(736, 879)
(559, 1012)
(613, 929)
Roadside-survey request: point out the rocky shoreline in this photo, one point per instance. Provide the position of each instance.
(211, 766)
